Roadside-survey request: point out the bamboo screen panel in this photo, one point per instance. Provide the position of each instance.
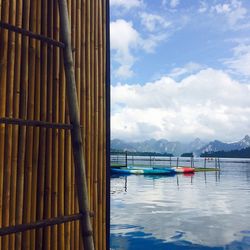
(36, 164)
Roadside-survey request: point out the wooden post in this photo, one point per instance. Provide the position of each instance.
(126, 159)
(76, 138)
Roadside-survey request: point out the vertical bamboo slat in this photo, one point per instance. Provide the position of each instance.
(43, 116)
(3, 79)
(8, 129)
(36, 130)
(22, 130)
(61, 173)
(56, 61)
(29, 137)
(16, 99)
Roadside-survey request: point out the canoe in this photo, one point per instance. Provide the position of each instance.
(183, 169)
(149, 171)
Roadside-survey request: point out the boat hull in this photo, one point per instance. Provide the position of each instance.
(183, 169)
(142, 171)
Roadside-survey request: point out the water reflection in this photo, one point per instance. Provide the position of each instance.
(202, 211)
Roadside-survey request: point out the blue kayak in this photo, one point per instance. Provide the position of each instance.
(149, 171)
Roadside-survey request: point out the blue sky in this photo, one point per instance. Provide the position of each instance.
(180, 69)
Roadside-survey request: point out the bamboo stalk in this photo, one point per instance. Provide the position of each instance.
(67, 186)
(61, 174)
(8, 134)
(29, 139)
(56, 62)
(96, 80)
(48, 167)
(43, 115)
(16, 98)
(78, 87)
(30, 34)
(72, 10)
(3, 78)
(76, 132)
(23, 115)
(88, 98)
(102, 194)
(68, 162)
(35, 159)
(39, 224)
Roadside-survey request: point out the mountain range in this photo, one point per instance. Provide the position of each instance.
(177, 148)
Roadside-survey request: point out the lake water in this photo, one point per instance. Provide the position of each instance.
(209, 210)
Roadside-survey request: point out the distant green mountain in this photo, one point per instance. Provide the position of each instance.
(242, 153)
(163, 146)
(157, 146)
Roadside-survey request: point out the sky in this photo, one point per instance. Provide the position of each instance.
(180, 69)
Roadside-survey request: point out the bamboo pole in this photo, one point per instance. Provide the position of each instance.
(8, 131)
(83, 94)
(78, 87)
(16, 99)
(35, 159)
(76, 132)
(61, 172)
(72, 10)
(56, 64)
(3, 78)
(48, 168)
(43, 115)
(101, 195)
(29, 139)
(96, 81)
(23, 115)
(88, 98)
(67, 186)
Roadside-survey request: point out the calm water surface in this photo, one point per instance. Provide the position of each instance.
(205, 211)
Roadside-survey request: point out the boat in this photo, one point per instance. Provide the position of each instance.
(183, 169)
(143, 171)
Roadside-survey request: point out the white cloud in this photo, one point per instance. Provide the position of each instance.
(153, 22)
(240, 61)
(174, 3)
(123, 39)
(189, 68)
(203, 7)
(208, 104)
(126, 4)
(233, 11)
(151, 42)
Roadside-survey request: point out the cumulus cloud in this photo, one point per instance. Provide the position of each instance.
(124, 38)
(208, 104)
(189, 68)
(174, 3)
(153, 22)
(240, 61)
(233, 11)
(126, 4)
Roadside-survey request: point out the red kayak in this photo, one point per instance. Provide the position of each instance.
(183, 169)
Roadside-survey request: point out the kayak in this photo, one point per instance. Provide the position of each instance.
(149, 171)
(183, 169)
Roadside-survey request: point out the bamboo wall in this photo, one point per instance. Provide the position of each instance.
(36, 164)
